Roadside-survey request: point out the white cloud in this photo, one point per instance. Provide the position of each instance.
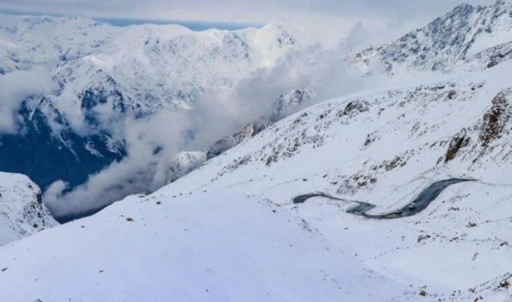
(262, 11)
(151, 144)
(17, 86)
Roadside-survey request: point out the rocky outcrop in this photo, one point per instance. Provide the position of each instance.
(495, 119)
(459, 141)
(22, 212)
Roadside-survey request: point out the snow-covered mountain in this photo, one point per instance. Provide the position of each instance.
(285, 105)
(475, 37)
(22, 212)
(136, 68)
(231, 230)
(106, 76)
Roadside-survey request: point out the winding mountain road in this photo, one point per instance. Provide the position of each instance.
(419, 204)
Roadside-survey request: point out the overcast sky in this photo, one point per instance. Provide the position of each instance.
(260, 11)
(331, 15)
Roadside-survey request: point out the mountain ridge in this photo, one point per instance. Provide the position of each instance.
(445, 42)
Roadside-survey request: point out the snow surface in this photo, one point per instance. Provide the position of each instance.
(105, 82)
(222, 247)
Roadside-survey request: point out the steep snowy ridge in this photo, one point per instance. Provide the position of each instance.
(489, 57)
(48, 40)
(22, 212)
(285, 105)
(184, 163)
(464, 35)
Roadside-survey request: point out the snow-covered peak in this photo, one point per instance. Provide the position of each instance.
(447, 42)
(233, 229)
(48, 40)
(275, 40)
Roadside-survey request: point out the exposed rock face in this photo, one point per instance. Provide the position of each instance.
(493, 55)
(67, 155)
(353, 108)
(229, 142)
(495, 119)
(285, 105)
(458, 142)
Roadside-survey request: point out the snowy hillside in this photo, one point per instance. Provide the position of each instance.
(197, 248)
(230, 230)
(469, 38)
(107, 82)
(474, 35)
(384, 148)
(21, 210)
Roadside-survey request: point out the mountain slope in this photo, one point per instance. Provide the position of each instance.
(205, 247)
(384, 148)
(109, 78)
(149, 66)
(22, 212)
(479, 35)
